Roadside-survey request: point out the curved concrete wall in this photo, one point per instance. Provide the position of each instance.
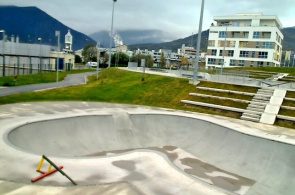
(271, 164)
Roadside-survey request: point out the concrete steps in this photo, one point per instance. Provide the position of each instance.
(257, 105)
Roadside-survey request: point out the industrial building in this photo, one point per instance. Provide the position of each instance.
(24, 58)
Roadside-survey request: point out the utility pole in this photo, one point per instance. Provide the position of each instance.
(3, 56)
(98, 59)
(57, 33)
(199, 43)
(111, 36)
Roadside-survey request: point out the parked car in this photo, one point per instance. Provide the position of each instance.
(92, 64)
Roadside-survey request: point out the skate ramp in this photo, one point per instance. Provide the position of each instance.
(264, 166)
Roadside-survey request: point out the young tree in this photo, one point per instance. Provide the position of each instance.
(184, 61)
(89, 53)
(162, 60)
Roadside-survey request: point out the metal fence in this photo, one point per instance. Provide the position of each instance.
(25, 69)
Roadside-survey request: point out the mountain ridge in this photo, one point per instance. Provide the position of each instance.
(32, 20)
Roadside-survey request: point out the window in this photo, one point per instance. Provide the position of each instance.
(259, 64)
(246, 35)
(231, 53)
(214, 51)
(222, 34)
(256, 35)
(232, 43)
(236, 23)
(257, 44)
(235, 35)
(221, 53)
(252, 64)
(267, 64)
(266, 35)
(211, 43)
(247, 23)
(220, 62)
(232, 63)
(267, 45)
(262, 54)
(211, 61)
(241, 63)
(253, 54)
(244, 54)
(244, 43)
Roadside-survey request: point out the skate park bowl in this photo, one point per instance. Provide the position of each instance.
(209, 150)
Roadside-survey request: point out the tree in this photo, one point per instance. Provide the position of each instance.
(89, 53)
(149, 62)
(121, 58)
(78, 59)
(184, 61)
(162, 60)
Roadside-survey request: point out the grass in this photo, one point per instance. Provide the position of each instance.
(224, 94)
(37, 78)
(228, 86)
(269, 70)
(287, 112)
(228, 103)
(285, 123)
(118, 86)
(290, 94)
(289, 103)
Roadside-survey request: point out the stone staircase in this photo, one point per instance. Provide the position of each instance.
(257, 105)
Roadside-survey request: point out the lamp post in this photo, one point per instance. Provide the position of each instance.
(223, 63)
(111, 36)
(40, 40)
(199, 43)
(57, 33)
(98, 58)
(3, 48)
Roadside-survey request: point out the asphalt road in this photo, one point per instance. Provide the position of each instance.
(70, 80)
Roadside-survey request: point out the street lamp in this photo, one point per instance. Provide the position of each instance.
(98, 58)
(3, 48)
(40, 40)
(199, 42)
(57, 33)
(225, 44)
(111, 37)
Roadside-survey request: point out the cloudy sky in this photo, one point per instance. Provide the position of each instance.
(178, 17)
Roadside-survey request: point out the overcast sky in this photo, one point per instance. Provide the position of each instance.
(178, 17)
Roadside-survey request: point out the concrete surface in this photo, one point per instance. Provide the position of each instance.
(273, 107)
(123, 149)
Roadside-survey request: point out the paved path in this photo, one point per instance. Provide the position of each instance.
(70, 80)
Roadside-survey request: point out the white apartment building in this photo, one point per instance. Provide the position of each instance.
(245, 40)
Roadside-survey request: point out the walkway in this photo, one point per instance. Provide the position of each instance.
(70, 80)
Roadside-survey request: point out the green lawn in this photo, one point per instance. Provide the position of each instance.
(119, 86)
(38, 78)
(228, 86)
(269, 70)
(290, 94)
(224, 94)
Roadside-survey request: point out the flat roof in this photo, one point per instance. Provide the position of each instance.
(248, 16)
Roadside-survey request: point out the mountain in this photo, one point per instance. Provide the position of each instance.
(289, 38)
(30, 23)
(174, 45)
(288, 43)
(130, 37)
